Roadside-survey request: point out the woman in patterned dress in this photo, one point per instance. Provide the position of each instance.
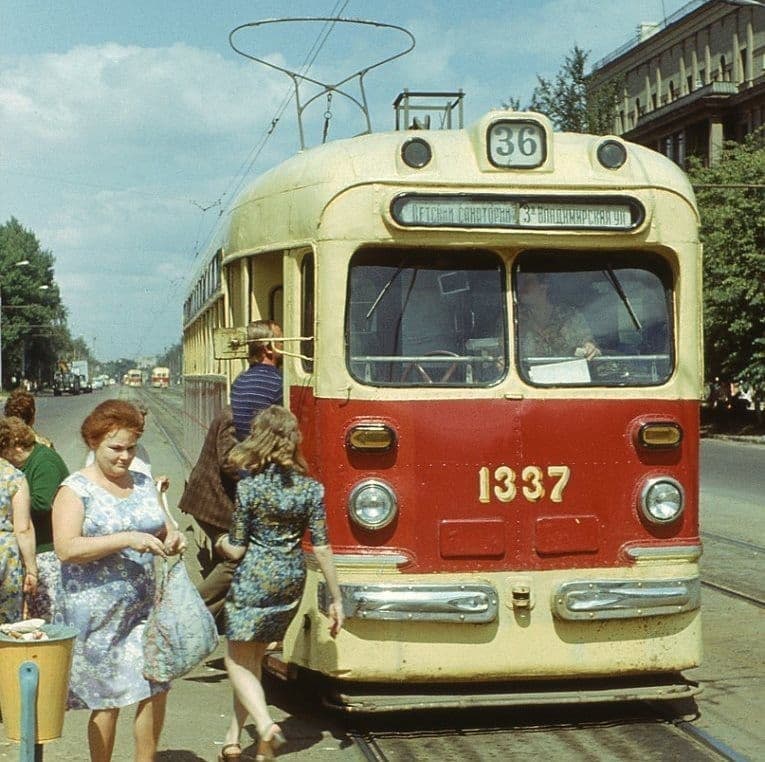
(107, 527)
(17, 543)
(275, 505)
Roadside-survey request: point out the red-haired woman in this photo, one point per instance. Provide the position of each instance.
(107, 527)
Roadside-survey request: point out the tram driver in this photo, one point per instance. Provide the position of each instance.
(547, 329)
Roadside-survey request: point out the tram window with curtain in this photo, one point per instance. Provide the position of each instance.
(423, 317)
(593, 320)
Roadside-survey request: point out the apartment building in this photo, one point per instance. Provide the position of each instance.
(691, 81)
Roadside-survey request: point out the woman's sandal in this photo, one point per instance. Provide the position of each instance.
(231, 752)
(270, 743)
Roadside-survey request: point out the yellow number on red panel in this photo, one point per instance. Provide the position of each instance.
(562, 473)
(533, 489)
(505, 489)
(483, 485)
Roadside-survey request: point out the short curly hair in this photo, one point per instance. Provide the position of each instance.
(15, 433)
(21, 404)
(109, 416)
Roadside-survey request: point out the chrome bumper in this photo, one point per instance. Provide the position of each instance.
(471, 604)
(583, 600)
(624, 599)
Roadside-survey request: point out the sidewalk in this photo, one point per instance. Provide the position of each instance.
(199, 704)
(198, 712)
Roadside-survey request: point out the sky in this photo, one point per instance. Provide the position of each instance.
(128, 128)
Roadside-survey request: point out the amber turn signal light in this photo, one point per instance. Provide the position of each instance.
(660, 435)
(371, 436)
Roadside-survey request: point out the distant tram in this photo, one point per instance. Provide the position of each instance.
(511, 488)
(160, 377)
(134, 377)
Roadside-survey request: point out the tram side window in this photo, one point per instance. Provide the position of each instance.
(424, 317)
(600, 320)
(307, 312)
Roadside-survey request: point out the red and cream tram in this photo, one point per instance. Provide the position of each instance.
(493, 347)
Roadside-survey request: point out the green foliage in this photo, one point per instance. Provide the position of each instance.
(569, 101)
(731, 197)
(33, 317)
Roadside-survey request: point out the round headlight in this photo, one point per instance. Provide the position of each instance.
(612, 154)
(662, 500)
(372, 504)
(416, 153)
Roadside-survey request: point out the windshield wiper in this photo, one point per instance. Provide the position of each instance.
(384, 289)
(614, 281)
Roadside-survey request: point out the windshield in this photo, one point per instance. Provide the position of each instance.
(602, 320)
(426, 317)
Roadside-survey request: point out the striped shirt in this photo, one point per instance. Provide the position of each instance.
(252, 391)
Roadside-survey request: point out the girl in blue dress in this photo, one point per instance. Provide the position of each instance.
(275, 504)
(107, 527)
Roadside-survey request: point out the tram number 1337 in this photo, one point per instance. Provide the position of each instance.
(503, 483)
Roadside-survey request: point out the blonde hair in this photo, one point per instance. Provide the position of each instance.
(274, 438)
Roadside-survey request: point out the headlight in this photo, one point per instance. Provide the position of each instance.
(662, 500)
(612, 154)
(416, 153)
(372, 504)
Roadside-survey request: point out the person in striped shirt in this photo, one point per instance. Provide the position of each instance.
(260, 385)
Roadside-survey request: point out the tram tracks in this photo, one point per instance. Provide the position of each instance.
(633, 732)
(737, 550)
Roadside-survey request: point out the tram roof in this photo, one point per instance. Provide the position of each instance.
(286, 203)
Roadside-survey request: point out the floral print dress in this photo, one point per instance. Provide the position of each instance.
(11, 567)
(107, 601)
(273, 510)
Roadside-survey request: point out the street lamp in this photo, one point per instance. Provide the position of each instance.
(20, 263)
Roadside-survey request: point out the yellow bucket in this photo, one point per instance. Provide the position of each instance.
(53, 658)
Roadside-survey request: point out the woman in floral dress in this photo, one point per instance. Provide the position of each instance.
(275, 505)
(17, 543)
(107, 527)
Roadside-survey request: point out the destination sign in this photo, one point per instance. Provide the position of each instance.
(463, 211)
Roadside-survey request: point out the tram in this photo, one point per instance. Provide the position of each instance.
(160, 377)
(511, 488)
(134, 377)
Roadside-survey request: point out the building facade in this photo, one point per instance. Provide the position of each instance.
(691, 82)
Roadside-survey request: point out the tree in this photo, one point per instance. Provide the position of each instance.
(569, 101)
(33, 317)
(731, 198)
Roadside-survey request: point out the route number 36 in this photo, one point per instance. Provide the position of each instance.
(519, 143)
(534, 484)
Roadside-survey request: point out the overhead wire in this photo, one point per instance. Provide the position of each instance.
(240, 177)
(245, 167)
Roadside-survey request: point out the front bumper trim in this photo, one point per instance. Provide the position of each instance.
(624, 599)
(469, 604)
